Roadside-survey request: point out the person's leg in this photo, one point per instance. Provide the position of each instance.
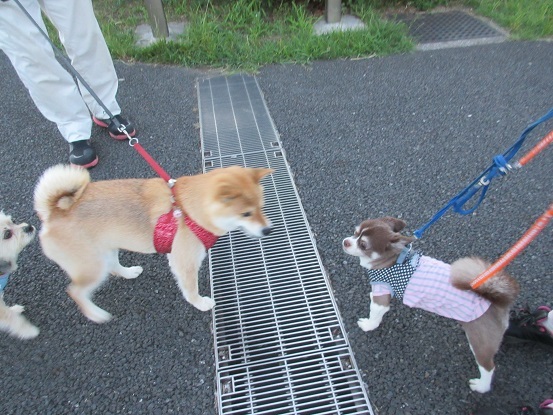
(51, 87)
(84, 44)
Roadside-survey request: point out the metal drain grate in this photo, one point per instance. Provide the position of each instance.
(280, 346)
(447, 26)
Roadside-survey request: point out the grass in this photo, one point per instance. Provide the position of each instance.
(247, 34)
(526, 19)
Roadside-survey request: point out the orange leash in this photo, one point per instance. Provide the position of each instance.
(538, 226)
(548, 139)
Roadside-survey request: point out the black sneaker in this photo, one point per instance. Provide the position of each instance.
(82, 154)
(525, 326)
(114, 132)
(546, 407)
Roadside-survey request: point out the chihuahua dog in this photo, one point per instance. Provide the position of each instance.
(85, 224)
(14, 238)
(396, 270)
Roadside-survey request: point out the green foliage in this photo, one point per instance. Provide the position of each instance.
(247, 34)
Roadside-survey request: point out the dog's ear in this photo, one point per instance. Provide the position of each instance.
(396, 224)
(402, 239)
(5, 266)
(227, 192)
(259, 173)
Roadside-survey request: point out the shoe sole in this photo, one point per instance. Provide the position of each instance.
(119, 137)
(87, 166)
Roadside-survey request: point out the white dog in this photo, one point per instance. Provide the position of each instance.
(13, 239)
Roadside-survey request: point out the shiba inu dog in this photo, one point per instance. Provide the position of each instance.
(85, 224)
(397, 270)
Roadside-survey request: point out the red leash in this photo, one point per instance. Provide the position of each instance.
(133, 142)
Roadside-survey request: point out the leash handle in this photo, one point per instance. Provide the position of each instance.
(538, 226)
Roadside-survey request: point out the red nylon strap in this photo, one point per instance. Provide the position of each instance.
(157, 168)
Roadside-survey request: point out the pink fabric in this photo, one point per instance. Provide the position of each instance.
(166, 229)
(430, 290)
(164, 233)
(207, 238)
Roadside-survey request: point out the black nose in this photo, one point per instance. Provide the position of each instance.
(266, 231)
(29, 229)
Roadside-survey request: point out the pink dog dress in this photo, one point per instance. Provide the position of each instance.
(424, 282)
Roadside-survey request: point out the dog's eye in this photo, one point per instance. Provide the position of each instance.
(8, 234)
(246, 214)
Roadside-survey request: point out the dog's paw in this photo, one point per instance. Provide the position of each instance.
(27, 331)
(479, 385)
(366, 324)
(98, 315)
(17, 308)
(204, 304)
(131, 272)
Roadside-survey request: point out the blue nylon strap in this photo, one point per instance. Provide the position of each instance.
(499, 167)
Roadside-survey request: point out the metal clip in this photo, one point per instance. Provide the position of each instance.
(484, 182)
(132, 140)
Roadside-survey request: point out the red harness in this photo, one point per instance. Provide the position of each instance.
(166, 228)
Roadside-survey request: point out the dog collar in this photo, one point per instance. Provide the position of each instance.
(4, 281)
(405, 254)
(166, 229)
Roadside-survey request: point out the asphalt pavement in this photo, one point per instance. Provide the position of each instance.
(397, 135)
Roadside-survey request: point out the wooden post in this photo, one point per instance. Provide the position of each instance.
(158, 21)
(333, 11)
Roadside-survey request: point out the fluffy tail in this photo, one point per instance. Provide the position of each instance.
(59, 188)
(501, 289)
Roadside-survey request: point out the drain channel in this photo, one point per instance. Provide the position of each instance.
(280, 346)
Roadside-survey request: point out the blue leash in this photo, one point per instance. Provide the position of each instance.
(499, 167)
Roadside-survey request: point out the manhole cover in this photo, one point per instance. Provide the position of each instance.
(447, 27)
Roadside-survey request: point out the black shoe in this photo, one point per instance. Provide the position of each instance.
(546, 407)
(115, 132)
(525, 327)
(523, 410)
(82, 154)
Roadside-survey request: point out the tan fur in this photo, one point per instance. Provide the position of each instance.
(377, 243)
(85, 224)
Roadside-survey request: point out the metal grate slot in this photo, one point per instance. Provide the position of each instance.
(279, 340)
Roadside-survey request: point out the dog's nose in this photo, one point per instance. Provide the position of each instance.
(266, 231)
(29, 229)
(347, 243)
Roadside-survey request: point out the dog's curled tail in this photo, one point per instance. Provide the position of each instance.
(59, 187)
(501, 289)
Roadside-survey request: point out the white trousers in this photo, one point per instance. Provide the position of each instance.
(51, 87)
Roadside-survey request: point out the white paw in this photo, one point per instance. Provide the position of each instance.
(17, 308)
(479, 385)
(27, 331)
(204, 304)
(132, 272)
(98, 315)
(366, 324)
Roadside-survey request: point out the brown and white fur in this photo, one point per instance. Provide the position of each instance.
(14, 237)
(378, 243)
(85, 224)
